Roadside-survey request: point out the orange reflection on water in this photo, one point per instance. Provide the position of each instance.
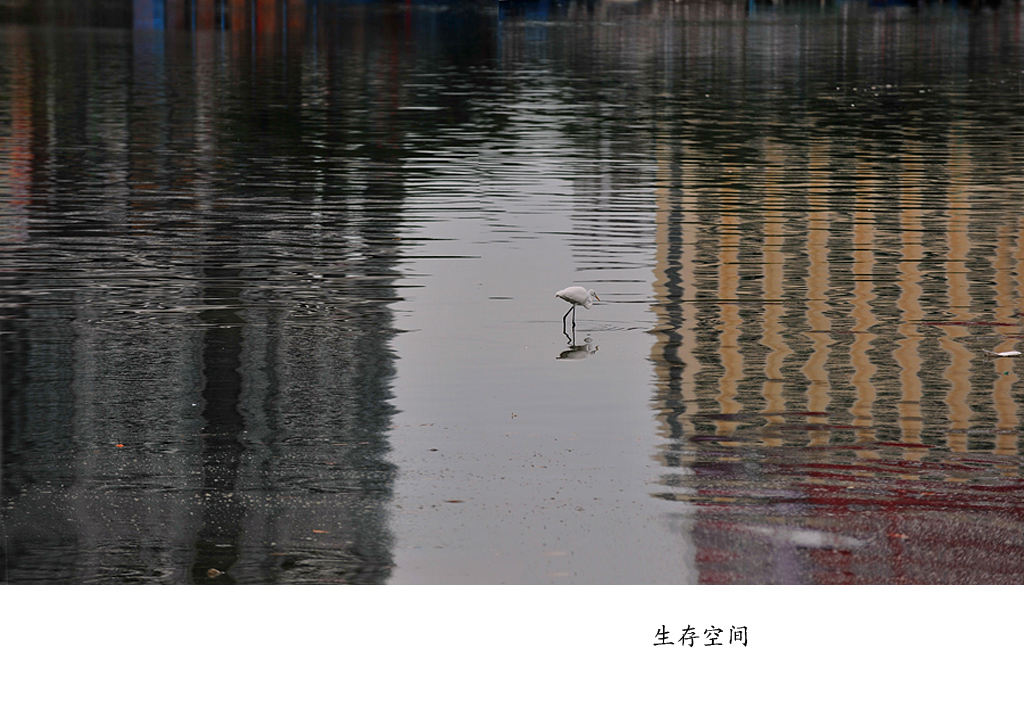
(774, 261)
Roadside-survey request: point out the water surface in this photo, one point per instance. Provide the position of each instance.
(278, 293)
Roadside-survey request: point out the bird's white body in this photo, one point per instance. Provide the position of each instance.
(578, 296)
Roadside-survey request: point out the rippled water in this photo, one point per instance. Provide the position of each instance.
(277, 299)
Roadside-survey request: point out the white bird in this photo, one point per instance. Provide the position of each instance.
(576, 296)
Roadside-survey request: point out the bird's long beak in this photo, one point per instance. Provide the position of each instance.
(596, 297)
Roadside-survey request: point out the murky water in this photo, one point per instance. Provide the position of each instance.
(277, 299)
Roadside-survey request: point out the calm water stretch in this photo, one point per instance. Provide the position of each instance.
(277, 299)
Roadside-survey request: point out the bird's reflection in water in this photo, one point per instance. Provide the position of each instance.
(578, 352)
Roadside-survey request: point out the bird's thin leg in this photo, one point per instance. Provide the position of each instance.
(571, 308)
(574, 317)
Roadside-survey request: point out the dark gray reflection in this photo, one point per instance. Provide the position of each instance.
(219, 538)
(201, 227)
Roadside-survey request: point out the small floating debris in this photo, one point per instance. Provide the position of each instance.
(1005, 353)
(808, 538)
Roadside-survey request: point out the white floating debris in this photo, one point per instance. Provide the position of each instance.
(1006, 353)
(808, 538)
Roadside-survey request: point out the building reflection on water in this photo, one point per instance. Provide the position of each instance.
(826, 322)
(202, 220)
(195, 349)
